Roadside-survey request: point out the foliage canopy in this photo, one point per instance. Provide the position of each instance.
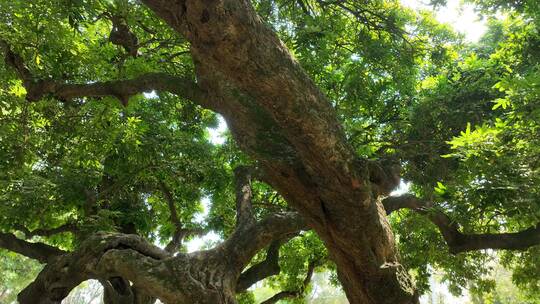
(462, 119)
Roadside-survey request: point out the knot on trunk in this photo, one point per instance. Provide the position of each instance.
(384, 176)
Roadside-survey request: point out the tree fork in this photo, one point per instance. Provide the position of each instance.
(209, 276)
(325, 184)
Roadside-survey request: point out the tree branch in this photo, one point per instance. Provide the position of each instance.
(39, 251)
(243, 244)
(170, 202)
(244, 208)
(180, 233)
(251, 235)
(294, 293)
(174, 244)
(68, 227)
(173, 279)
(16, 62)
(262, 270)
(122, 89)
(94, 259)
(294, 102)
(458, 241)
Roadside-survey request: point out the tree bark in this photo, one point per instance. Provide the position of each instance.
(202, 277)
(280, 117)
(205, 277)
(117, 290)
(133, 271)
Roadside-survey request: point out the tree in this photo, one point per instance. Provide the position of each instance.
(330, 103)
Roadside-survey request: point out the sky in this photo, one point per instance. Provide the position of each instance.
(462, 17)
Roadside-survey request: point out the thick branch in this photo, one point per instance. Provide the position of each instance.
(181, 234)
(175, 242)
(405, 201)
(194, 232)
(121, 89)
(244, 208)
(282, 295)
(251, 235)
(90, 261)
(243, 244)
(39, 251)
(262, 270)
(461, 242)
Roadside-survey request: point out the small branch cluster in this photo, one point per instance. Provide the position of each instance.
(287, 294)
(37, 89)
(68, 227)
(450, 230)
(179, 232)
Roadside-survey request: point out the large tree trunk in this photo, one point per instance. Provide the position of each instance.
(282, 119)
(358, 237)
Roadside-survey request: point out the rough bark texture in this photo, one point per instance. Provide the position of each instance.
(208, 277)
(278, 116)
(282, 119)
(133, 271)
(64, 272)
(117, 290)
